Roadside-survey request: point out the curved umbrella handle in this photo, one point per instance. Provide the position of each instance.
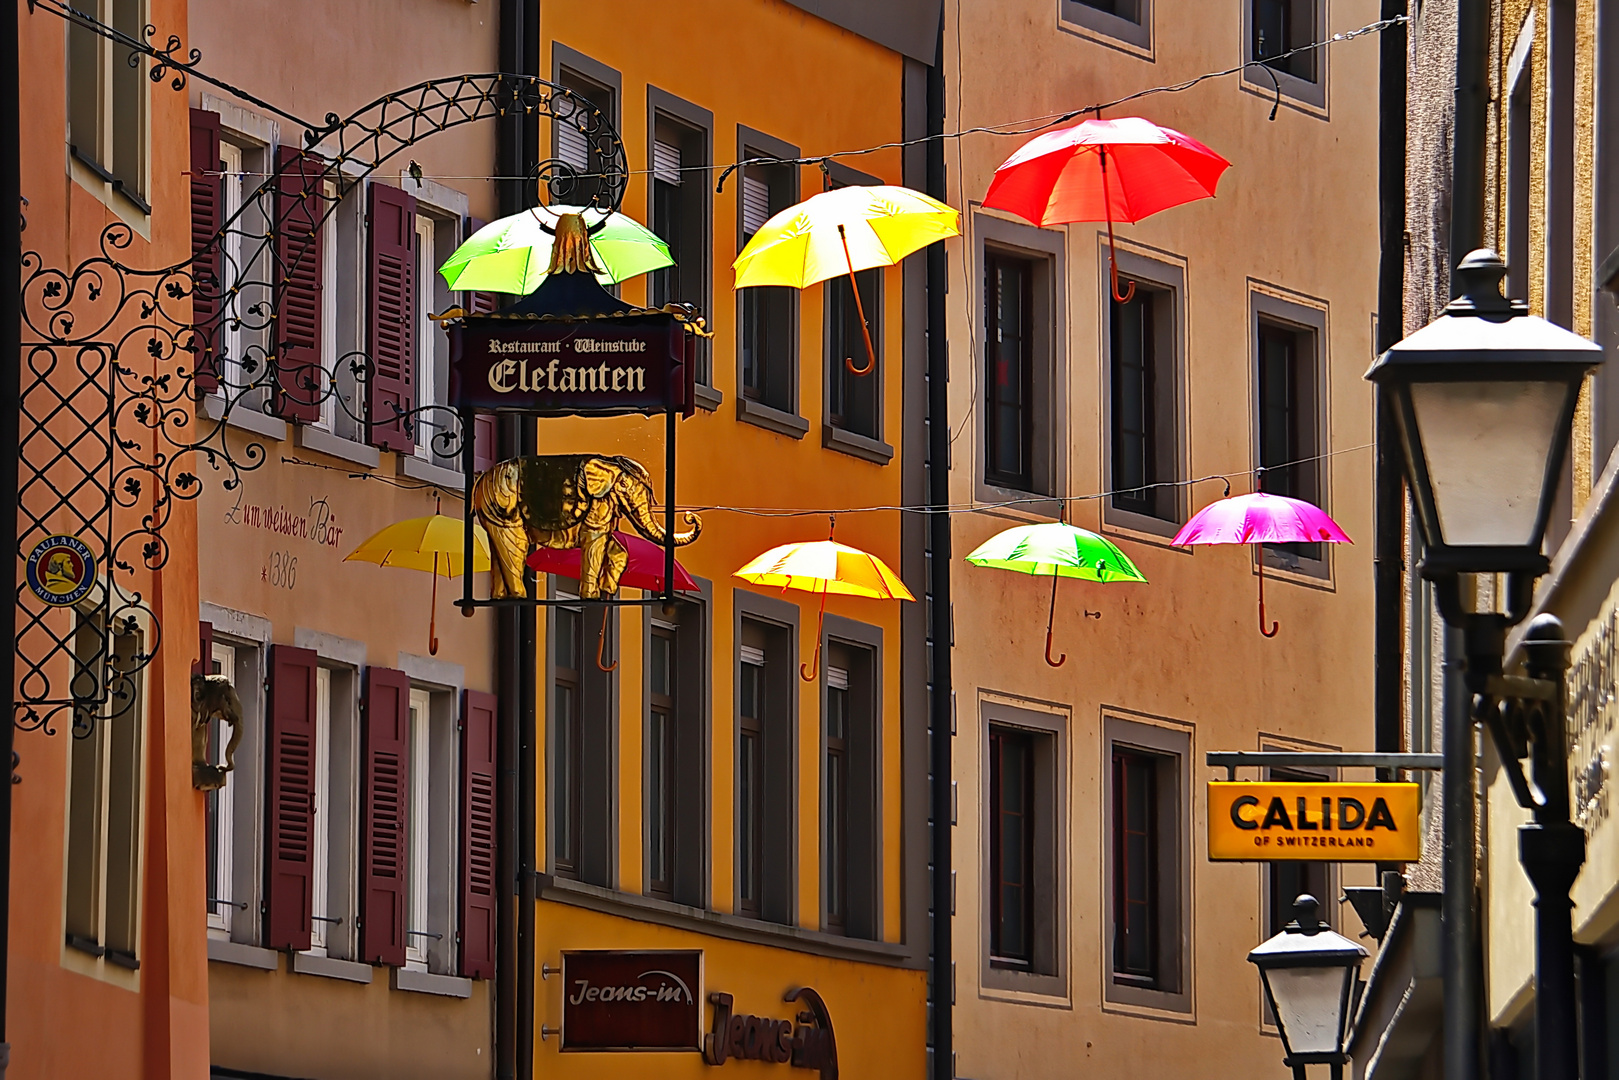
(432, 618)
(1274, 626)
(860, 309)
(1112, 261)
(601, 646)
(1050, 618)
(809, 671)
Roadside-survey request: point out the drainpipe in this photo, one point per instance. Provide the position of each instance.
(10, 436)
(1460, 946)
(943, 982)
(516, 155)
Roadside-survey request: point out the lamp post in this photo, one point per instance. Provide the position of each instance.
(1308, 972)
(1484, 401)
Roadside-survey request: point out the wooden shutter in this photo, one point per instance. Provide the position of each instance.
(207, 264)
(290, 832)
(205, 650)
(385, 815)
(478, 894)
(391, 326)
(484, 447)
(300, 208)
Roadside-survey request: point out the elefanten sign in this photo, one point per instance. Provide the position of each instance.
(557, 367)
(1326, 822)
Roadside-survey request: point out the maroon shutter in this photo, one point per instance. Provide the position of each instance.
(391, 328)
(207, 212)
(484, 453)
(205, 650)
(477, 919)
(289, 833)
(385, 809)
(300, 208)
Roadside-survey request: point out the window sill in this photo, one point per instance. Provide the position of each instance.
(328, 967)
(1149, 1004)
(234, 952)
(1026, 504)
(733, 927)
(422, 982)
(240, 416)
(324, 442)
(782, 423)
(417, 468)
(1311, 573)
(860, 446)
(708, 398)
(1302, 94)
(1144, 527)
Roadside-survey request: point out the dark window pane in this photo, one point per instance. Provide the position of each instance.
(854, 397)
(1135, 866)
(1011, 848)
(1135, 434)
(1009, 361)
(1287, 420)
(749, 822)
(1124, 9)
(1280, 27)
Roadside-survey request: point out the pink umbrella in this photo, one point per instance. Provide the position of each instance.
(1261, 519)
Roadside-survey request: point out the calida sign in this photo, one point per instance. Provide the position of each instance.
(1326, 822)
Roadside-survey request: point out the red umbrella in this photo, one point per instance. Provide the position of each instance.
(1105, 170)
(644, 570)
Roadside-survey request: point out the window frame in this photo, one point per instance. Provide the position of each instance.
(780, 619)
(1166, 279)
(863, 894)
(1269, 305)
(1106, 28)
(98, 170)
(1046, 973)
(565, 61)
(1306, 95)
(1046, 248)
(1171, 743)
(693, 658)
(597, 692)
(699, 122)
(443, 210)
(873, 447)
(789, 422)
(220, 808)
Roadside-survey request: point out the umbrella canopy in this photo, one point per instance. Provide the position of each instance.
(1104, 170)
(435, 544)
(513, 255)
(880, 225)
(643, 571)
(1259, 518)
(1055, 549)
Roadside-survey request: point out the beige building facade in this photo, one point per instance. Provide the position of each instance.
(1117, 943)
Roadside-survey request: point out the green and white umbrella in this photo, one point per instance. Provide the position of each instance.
(513, 255)
(1054, 550)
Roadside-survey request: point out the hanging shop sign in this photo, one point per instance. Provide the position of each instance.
(1326, 822)
(570, 367)
(61, 570)
(810, 1044)
(615, 1000)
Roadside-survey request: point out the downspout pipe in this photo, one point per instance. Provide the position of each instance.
(942, 983)
(10, 436)
(516, 156)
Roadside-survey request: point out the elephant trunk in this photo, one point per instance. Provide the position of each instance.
(638, 507)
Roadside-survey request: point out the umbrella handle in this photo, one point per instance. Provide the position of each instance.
(1112, 261)
(601, 646)
(808, 672)
(1051, 618)
(1274, 626)
(860, 309)
(432, 618)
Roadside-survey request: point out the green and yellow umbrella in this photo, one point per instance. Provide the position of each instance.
(840, 232)
(513, 255)
(1056, 549)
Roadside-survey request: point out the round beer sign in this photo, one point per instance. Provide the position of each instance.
(61, 570)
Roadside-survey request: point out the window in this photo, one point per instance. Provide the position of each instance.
(855, 401)
(1009, 378)
(1289, 418)
(850, 812)
(1023, 853)
(427, 368)
(1286, 880)
(1147, 869)
(1127, 21)
(660, 762)
(220, 809)
(767, 331)
(581, 784)
(1144, 398)
(104, 794)
(107, 108)
(421, 790)
(578, 136)
(680, 208)
(1279, 27)
(676, 754)
(767, 675)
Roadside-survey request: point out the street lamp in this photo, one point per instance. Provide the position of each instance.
(1484, 400)
(1309, 976)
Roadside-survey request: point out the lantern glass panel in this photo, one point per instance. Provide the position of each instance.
(1486, 445)
(1309, 1006)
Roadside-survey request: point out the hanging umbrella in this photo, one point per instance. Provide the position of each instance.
(1257, 519)
(434, 544)
(513, 255)
(824, 566)
(643, 571)
(1105, 170)
(839, 232)
(1054, 550)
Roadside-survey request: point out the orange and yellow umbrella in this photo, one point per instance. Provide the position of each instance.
(824, 566)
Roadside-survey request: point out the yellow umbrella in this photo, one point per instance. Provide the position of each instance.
(824, 566)
(435, 544)
(842, 231)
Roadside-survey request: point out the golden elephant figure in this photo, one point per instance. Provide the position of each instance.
(566, 501)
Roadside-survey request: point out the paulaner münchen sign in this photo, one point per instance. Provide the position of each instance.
(1326, 822)
(625, 364)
